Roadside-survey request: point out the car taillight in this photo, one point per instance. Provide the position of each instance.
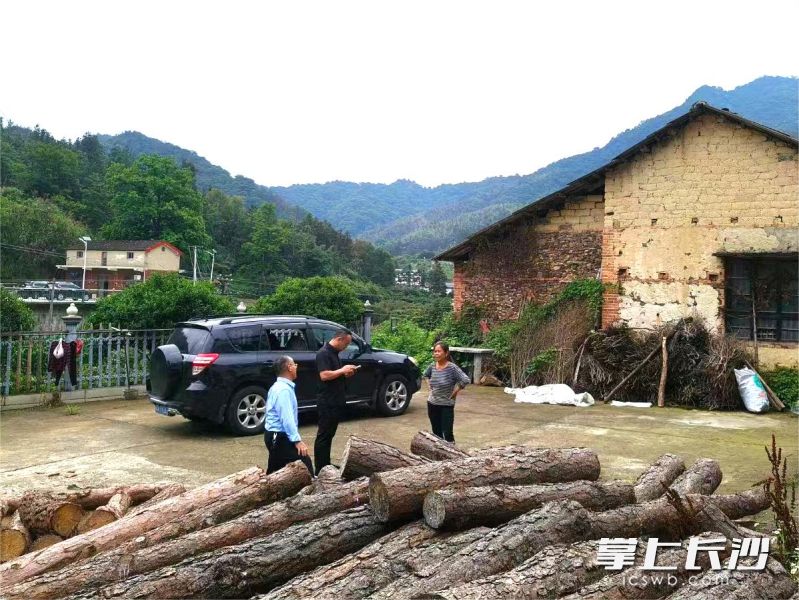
(201, 361)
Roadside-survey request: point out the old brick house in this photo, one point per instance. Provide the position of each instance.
(685, 223)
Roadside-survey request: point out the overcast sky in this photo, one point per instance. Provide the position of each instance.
(433, 91)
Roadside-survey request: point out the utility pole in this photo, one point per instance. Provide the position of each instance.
(213, 257)
(194, 264)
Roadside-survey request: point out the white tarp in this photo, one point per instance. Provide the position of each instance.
(632, 404)
(554, 393)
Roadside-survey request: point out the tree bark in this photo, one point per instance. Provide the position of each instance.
(399, 494)
(170, 491)
(217, 501)
(93, 497)
(43, 513)
(702, 477)
(460, 508)
(15, 539)
(116, 508)
(328, 479)
(433, 447)
(659, 518)
(500, 550)
(258, 565)
(409, 549)
(659, 476)
(364, 457)
(562, 523)
(637, 583)
(134, 558)
(43, 541)
(550, 573)
(771, 583)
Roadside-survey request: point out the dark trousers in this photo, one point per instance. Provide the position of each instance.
(442, 419)
(329, 417)
(282, 451)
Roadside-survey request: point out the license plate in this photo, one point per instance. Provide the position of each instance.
(161, 410)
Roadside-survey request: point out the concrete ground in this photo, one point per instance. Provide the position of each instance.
(120, 441)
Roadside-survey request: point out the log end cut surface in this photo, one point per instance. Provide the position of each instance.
(12, 544)
(434, 510)
(66, 518)
(379, 500)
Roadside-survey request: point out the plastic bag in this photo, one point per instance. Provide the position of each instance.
(753, 393)
(58, 351)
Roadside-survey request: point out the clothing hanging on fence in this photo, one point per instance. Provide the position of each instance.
(56, 365)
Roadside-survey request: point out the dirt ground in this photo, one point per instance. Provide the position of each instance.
(120, 441)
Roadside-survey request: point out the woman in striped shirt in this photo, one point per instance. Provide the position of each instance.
(446, 382)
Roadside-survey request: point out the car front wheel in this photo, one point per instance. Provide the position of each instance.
(246, 412)
(394, 396)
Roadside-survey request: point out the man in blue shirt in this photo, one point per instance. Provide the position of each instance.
(282, 437)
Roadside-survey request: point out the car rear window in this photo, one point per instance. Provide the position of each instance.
(245, 339)
(190, 340)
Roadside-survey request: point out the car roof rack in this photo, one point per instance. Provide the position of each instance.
(239, 318)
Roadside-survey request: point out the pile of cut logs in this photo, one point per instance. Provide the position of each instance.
(438, 522)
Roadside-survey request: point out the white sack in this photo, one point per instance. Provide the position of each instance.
(753, 393)
(554, 393)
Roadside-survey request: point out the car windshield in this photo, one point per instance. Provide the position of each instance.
(190, 340)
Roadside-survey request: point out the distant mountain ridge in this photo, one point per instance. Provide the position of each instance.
(405, 217)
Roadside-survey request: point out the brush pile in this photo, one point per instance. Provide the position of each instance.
(700, 368)
(506, 522)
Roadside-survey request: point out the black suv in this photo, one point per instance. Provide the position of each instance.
(220, 369)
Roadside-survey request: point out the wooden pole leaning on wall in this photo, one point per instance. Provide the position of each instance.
(772, 397)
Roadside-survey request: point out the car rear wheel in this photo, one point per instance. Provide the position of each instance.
(394, 396)
(246, 412)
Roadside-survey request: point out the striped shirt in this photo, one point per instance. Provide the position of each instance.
(443, 383)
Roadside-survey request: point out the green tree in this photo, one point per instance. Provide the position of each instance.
(160, 302)
(261, 258)
(15, 315)
(53, 170)
(227, 222)
(437, 280)
(405, 337)
(35, 235)
(323, 297)
(155, 199)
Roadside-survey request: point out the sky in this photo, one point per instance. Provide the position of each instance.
(434, 91)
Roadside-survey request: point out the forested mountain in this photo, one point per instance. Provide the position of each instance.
(406, 218)
(208, 176)
(53, 191)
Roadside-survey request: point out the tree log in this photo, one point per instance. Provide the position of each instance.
(258, 565)
(659, 518)
(500, 550)
(550, 573)
(409, 549)
(217, 501)
(145, 554)
(660, 475)
(328, 479)
(364, 457)
(170, 491)
(399, 494)
(14, 538)
(116, 508)
(460, 508)
(433, 447)
(564, 522)
(93, 497)
(645, 584)
(702, 477)
(43, 541)
(43, 513)
(771, 583)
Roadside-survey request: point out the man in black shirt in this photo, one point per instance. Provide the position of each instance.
(332, 398)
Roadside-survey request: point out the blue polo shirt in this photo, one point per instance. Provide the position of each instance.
(281, 409)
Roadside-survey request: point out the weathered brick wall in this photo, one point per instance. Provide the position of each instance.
(535, 260)
(714, 186)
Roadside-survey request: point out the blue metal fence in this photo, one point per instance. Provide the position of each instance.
(102, 363)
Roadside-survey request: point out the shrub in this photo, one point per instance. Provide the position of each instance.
(784, 381)
(408, 338)
(15, 315)
(329, 298)
(160, 302)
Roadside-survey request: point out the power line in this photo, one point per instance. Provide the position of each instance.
(31, 250)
